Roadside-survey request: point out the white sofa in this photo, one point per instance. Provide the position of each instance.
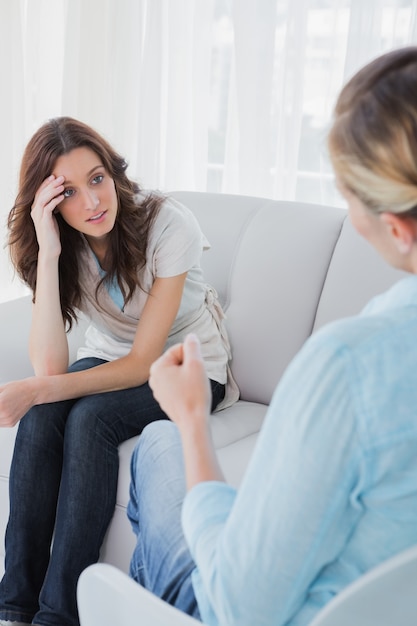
(281, 269)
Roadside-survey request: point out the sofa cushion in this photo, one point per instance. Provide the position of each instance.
(279, 271)
(356, 273)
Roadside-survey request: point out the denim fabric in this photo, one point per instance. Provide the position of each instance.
(63, 483)
(161, 562)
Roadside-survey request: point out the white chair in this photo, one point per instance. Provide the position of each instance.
(108, 597)
(384, 596)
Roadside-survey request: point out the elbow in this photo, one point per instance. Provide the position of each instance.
(48, 371)
(235, 595)
(225, 596)
(234, 606)
(49, 366)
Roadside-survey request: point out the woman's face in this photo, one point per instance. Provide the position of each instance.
(90, 204)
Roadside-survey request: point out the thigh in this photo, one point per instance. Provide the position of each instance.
(85, 364)
(123, 414)
(157, 478)
(114, 415)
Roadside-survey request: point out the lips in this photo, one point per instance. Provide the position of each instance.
(96, 217)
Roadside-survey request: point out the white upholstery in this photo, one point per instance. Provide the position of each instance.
(108, 597)
(282, 269)
(384, 596)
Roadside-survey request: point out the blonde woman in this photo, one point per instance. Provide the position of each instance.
(331, 489)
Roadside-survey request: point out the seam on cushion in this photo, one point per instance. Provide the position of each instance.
(243, 230)
(247, 436)
(327, 272)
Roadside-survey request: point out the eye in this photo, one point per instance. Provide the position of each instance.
(97, 179)
(68, 192)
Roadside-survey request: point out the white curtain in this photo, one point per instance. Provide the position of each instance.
(222, 95)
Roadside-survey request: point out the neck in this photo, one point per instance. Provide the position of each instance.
(100, 250)
(413, 261)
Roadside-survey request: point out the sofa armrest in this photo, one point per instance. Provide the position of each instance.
(15, 319)
(15, 316)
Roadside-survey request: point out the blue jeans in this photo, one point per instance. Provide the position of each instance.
(63, 483)
(161, 561)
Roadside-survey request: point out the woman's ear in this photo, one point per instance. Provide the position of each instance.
(403, 231)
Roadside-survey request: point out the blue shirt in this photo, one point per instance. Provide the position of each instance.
(112, 287)
(331, 488)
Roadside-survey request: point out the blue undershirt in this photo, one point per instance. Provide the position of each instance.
(112, 287)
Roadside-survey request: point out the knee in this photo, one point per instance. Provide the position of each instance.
(43, 423)
(155, 439)
(93, 422)
(161, 430)
(158, 441)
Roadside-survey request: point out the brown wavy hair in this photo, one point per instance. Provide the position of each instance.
(373, 138)
(128, 239)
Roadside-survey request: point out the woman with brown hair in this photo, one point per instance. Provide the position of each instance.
(85, 238)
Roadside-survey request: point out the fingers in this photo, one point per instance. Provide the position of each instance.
(178, 354)
(192, 348)
(173, 356)
(49, 195)
(46, 182)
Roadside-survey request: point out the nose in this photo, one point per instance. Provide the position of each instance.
(89, 199)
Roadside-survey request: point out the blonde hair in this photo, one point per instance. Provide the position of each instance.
(373, 138)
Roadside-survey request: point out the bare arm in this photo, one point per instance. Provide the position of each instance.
(152, 332)
(179, 383)
(48, 345)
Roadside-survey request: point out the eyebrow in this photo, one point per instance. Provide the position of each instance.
(96, 167)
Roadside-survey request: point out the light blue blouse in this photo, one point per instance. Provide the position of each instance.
(331, 489)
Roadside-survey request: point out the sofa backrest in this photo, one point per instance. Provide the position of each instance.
(282, 269)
